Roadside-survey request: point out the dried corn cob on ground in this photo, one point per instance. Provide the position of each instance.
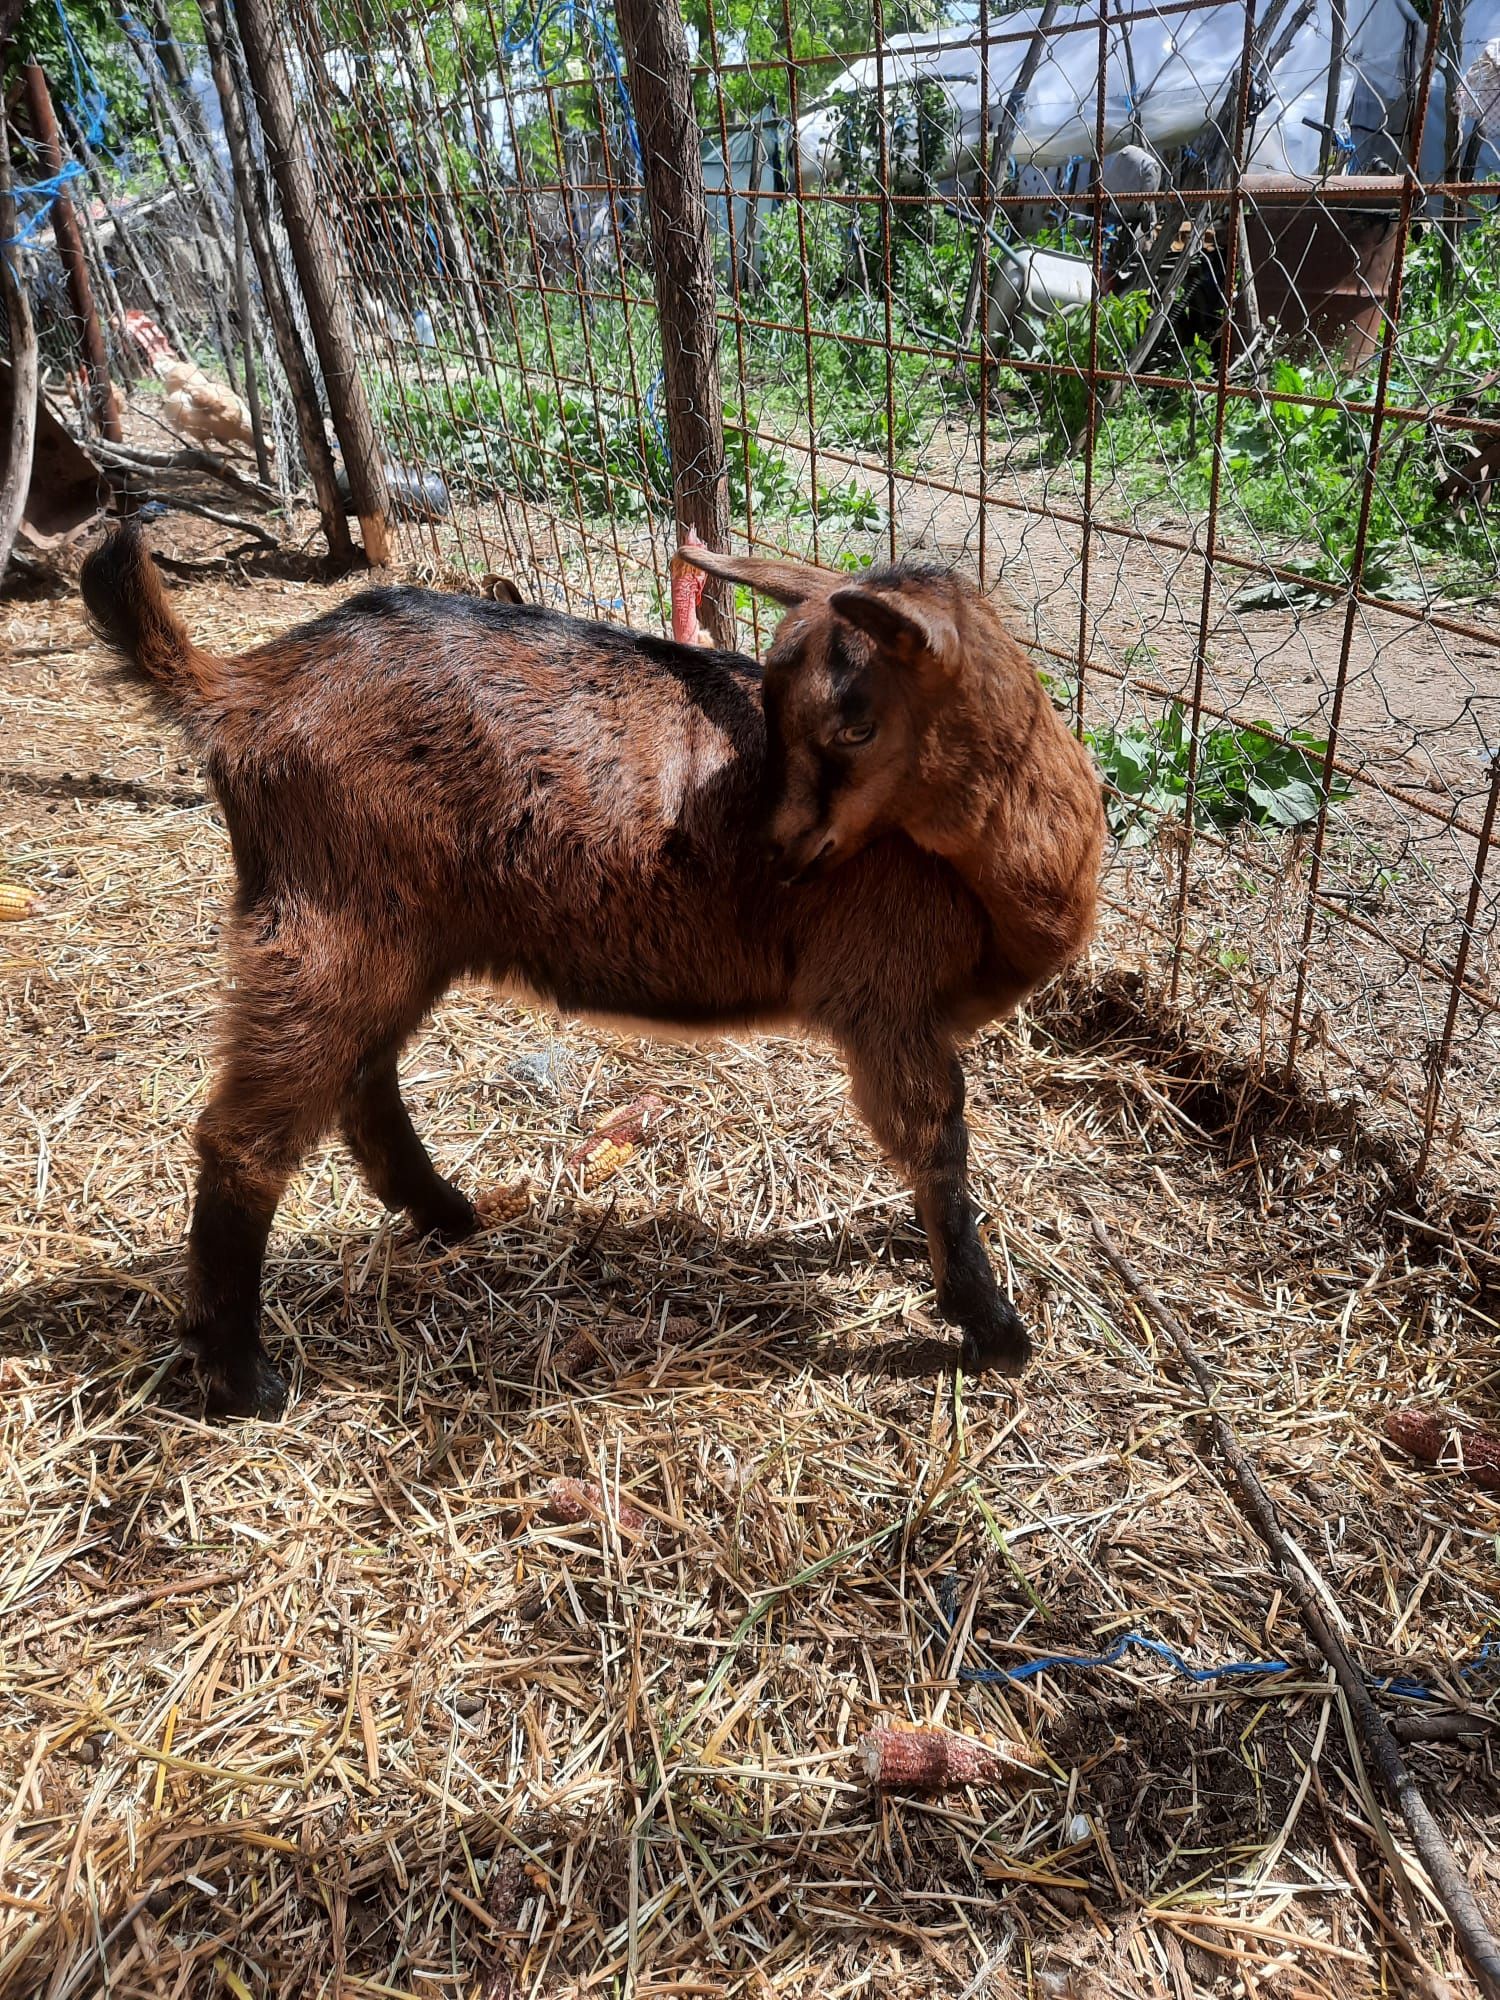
(575, 1500)
(16, 903)
(902, 1758)
(615, 1140)
(1438, 1439)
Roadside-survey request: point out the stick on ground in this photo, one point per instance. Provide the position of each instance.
(1475, 1939)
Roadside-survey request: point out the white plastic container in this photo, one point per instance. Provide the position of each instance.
(1028, 286)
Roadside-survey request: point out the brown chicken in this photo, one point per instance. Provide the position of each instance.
(195, 406)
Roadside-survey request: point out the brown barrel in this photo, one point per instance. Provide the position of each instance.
(1322, 258)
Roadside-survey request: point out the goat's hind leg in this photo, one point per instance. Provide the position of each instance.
(249, 1142)
(912, 1096)
(378, 1132)
(298, 1024)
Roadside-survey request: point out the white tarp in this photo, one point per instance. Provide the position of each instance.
(1183, 63)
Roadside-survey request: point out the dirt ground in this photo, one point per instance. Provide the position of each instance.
(340, 1705)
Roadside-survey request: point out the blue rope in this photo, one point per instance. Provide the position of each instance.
(1029, 1669)
(1399, 1685)
(88, 110)
(655, 390)
(527, 36)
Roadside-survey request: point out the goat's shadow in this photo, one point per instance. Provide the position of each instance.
(112, 1324)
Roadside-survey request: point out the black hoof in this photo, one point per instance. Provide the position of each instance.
(251, 1388)
(1001, 1346)
(447, 1214)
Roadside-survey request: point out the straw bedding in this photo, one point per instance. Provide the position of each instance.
(354, 1704)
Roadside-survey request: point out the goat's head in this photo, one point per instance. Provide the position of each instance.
(870, 687)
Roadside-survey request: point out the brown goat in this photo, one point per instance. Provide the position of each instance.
(419, 787)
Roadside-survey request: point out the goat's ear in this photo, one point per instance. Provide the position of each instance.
(899, 624)
(786, 582)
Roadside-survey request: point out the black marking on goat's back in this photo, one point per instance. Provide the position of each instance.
(724, 685)
(516, 836)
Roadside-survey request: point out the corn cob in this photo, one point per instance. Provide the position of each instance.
(17, 903)
(932, 1760)
(1433, 1438)
(504, 1204)
(615, 1140)
(618, 1339)
(573, 1500)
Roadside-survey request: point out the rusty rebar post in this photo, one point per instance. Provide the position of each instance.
(74, 262)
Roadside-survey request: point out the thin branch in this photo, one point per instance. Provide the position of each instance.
(189, 459)
(20, 441)
(215, 514)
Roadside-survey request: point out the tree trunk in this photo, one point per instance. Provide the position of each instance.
(661, 89)
(20, 437)
(294, 362)
(245, 307)
(324, 286)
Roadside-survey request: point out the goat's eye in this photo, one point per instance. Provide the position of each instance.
(856, 733)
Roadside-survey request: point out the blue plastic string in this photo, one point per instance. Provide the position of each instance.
(652, 393)
(88, 108)
(527, 34)
(1400, 1685)
(1029, 1669)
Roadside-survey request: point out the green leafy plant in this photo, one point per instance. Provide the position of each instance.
(1246, 774)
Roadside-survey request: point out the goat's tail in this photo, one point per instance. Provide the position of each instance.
(129, 609)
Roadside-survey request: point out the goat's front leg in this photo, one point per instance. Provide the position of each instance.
(911, 1092)
(379, 1133)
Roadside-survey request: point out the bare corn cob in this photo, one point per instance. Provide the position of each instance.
(896, 1759)
(574, 1500)
(619, 1339)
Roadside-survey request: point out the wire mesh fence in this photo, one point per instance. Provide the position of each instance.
(1178, 324)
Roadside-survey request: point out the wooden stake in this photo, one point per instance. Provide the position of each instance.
(682, 271)
(323, 285)
(246, 308)
(74, 263)
(20, 438)
(294, 362)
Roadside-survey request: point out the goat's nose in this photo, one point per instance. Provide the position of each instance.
(797, 867)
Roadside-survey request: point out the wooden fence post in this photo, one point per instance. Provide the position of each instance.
(20, 438)
(682, 269)
(323, 286)
(294, 362)
(74, 262)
